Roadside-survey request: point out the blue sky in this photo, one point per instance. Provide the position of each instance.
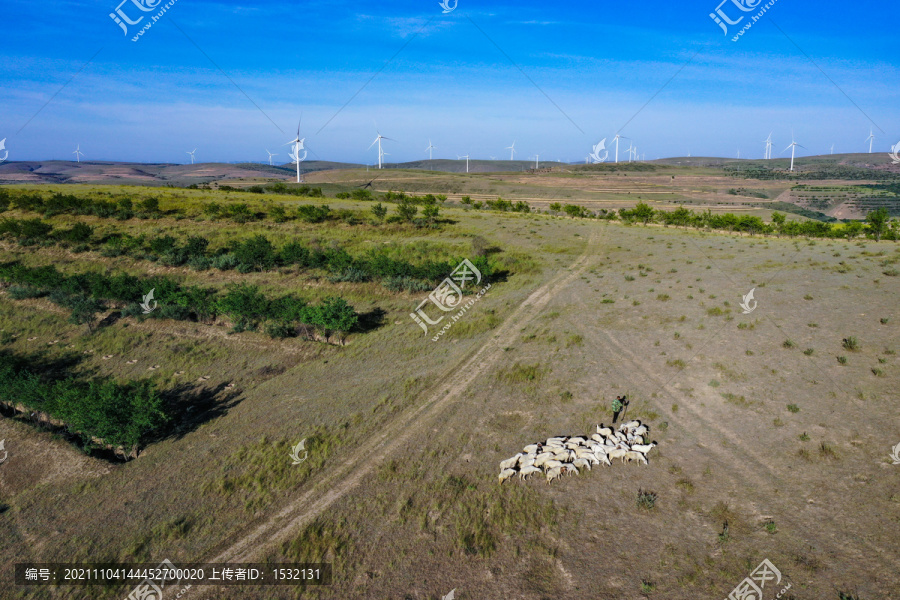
(579, 72)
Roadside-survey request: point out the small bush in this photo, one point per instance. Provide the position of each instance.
(646, 499)
(850, 343)
(793, 408)
(788, 344)
(809, 352)
(842, 360)
(804, 437)
(771, 527)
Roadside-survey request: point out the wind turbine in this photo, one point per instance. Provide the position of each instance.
(630, 151)
(430, 148)
(537, 161)
(871, 140)
(192, 155)
(832, 148)
(768, 141)
(270, 156)
(381, 152)
(794, 145)
(512, 151)
(458, 157)
(298, 146)
(78, 153)
(617, 138)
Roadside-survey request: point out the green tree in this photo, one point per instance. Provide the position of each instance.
(430, 213)
(877, 220)
(778, 219)
(335, 315)
(407, 210)
(556, 207)
(84, 311)
(256, 253)
(643, 212)
(278, 214)
(379, 212)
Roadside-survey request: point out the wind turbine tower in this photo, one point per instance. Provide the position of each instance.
(429, 149)
(512, 151)
(769, 147)
(270, 156)
(617, 138)
(78, 153)
(458, 157)
(794, 145)
(871, 140)
(192, 155)
(297, 147)
(381, 152)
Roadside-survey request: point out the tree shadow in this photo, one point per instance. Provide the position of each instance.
(370, 321)
(190, 406)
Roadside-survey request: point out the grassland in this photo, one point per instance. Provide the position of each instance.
(765, 450)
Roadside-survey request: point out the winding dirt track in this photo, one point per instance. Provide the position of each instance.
(344, 476)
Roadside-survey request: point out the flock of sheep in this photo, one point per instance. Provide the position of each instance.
(560, 455)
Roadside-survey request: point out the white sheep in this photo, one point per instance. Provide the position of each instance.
(630, 456)
(506, 474)
(526, 471)
(510, 462)
(553, 473)
(602, 458)
(642, 430)
(552, 464)
(582, 463)
(643, 449)
(570, 469)
(616, 453)
(532, 448)
(604, 431)
(542, 458)
(630, 425)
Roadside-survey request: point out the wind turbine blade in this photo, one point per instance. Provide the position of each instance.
(804, 147)
(373, 143)
(788, 148)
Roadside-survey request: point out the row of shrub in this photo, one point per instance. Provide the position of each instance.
(239, 212)
(58, 204)
(85, 295)
(257, 253)
(878, 223)
(499, 204)
(816, 173)
(120, 414)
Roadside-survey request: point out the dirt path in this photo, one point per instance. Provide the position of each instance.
(343, 477)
